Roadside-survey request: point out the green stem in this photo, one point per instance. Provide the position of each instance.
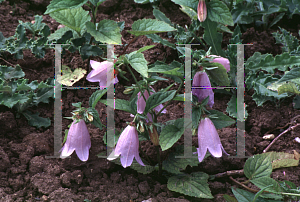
(159, 160)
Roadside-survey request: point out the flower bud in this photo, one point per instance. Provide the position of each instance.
(141, 127)
(153, 135)
(202, 11)
(90, 117)
(128, 91)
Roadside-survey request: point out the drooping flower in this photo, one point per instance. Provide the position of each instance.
(201, 80)
(128, 146)
(208, 139)
(79, 140)
(201, 11)
(223, 61)
(99, 73)
(141, 104)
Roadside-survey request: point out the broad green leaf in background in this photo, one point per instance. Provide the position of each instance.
(222, 120)
(69, 77)
(241, 13)
(138, 62)
(35, 120)
(96, 96)
(293, 76)
(268, 63)
(44, 92)
(158, 98)
(72, 18)
(176, 165)
(194, 184)
(11, 100)
(258, 166)
(282, 159)
(149, 26)
(218, 11)
(192, 3)
(107, 31)
(170, 134)
(56, 5)
(262, 182)
(88, 50)
(212, 37)
(123, 105)
(58, 34)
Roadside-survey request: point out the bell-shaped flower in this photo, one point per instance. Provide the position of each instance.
(128, 146)
(79, 140)
(201, 80)
(99, 73)
(141, 104)
(208, 139)
(202, 11)
(223, 61)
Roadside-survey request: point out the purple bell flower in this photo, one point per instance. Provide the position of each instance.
(79, 140)
(128, 146)
(223, 61)
(99, 73)
(201, 80)
(208, 139)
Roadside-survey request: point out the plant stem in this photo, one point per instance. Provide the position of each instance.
(159, 160)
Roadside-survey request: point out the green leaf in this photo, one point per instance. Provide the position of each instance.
(218, 11)
(212, 37)
(190, 12)
(241, 13)
(245, 196)
(69, 77)
(97, 2)
(107, 31)
(288, 88)
(229, 198)
(192, 3)
(11, 100)
(218, 75)
(222, 120)
(161, 16)
(124, 105)
(57, 5)
(58, 34)
(232, 109)
(138, 62)
(96, 119)
(158, 98)
(96, 96)
(166, 69)
(194, 185)
(35, 120)
(263, 182)
(169, 135)
(145, 48)
(176, 165)
(88, 50)
(23, 86)
(258, 166)
(72, 18)
(157, 39)
(142, 1)
(281, 159)
(296, 102)
(150, 26)
(36, 27)
(7, 73)
(293, 75)
(288, 41)
(196, 115)
(268, 63)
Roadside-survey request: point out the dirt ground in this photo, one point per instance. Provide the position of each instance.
(25, 173)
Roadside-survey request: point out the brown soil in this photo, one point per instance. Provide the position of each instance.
(25, 173)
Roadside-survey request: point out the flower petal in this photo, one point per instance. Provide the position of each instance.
(201, 80)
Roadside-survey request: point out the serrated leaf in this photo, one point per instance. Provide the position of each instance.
(7, 73)
(212, 37)
(258, 166)
(70, 77)
(56, 5)
(281, 159)
(192, 185)
(96, 96)
(262, 182)
(58, 34)
(169, 136)
(158, 98)
(107, 31)
(73, 18)
(268, 63)
(245, 196)
(35, 120)
(241, 13)
(218, 75)
(288, 41)
(138, 62)
(150, 26)
(157, 39)
(11, 100)
(36, 27)
(218, 11)
(222, 120)
(43, 94)
(176, 165)
(23, 86)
